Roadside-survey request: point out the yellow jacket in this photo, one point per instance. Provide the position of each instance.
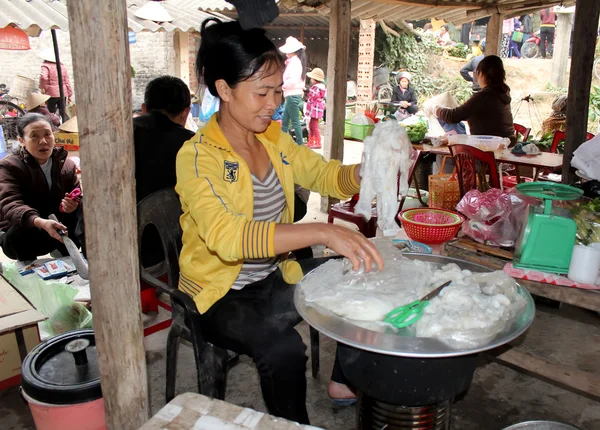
(215, 188)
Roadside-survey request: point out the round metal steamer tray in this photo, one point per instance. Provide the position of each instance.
(403, 343)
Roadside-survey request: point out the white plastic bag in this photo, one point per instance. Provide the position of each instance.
(386, 152)
(446, 100)
(210, 105)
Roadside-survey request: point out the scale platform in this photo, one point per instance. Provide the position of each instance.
(548, 233)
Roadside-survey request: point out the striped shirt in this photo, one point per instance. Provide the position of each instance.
(269, 202)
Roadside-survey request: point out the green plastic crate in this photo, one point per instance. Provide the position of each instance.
(357, 131)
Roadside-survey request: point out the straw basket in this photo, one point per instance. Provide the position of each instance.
(21, 87)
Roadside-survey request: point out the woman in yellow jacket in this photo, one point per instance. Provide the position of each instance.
(235, 179)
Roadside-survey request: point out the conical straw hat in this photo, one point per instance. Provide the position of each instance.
(69, 126)
(35, 99)
(153, 11)
(48, 55)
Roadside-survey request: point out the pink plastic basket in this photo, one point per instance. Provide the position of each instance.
(429, 225)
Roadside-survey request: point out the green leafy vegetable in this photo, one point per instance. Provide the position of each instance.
(416, 132)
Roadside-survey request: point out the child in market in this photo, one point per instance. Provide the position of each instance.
(315, 106)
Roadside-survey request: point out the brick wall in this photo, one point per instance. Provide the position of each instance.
(152, 55)
(194, 45)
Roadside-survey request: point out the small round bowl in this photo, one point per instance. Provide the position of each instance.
(429, 225)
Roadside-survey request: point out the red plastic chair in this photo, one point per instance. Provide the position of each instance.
(559, 136)
(345, 210)
(465, 159)
(523, 131)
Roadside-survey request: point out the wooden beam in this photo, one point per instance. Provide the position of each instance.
(439, 4)
(560, 56)
(298, 27)
(579, 380)
(182, 56)
(100, 49)
(337, 72)
(387, 29)
(509, 10)
(580, 80)
(494, 35)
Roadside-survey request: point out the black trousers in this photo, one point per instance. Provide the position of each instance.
(546, 34)
(259, 321)
(23, 244)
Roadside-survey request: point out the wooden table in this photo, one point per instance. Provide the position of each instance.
(191, 411)
(545, 160)
(496, 259)
(540, 162)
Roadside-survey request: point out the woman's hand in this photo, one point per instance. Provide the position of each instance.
(352, 245)
(68, 205)
(50, 227)
(404, 104)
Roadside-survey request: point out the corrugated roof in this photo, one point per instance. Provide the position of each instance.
(215, 5)
(34, 16)
(456, 11)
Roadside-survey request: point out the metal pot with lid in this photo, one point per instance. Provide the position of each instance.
(61, 382)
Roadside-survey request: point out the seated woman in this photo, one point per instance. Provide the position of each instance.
(557, 121)
(405, 94)
(235, 179)
(487, 111)
(36, 103)
(34, 183)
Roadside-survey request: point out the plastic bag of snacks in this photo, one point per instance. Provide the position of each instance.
(587, 217)
(495, 217)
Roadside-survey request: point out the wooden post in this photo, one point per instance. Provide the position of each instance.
(366, 57)
(99, 42)
(302, 34)
(580, 80)
(337, 77)
(493, 36)
(560, 57)
(182, 56)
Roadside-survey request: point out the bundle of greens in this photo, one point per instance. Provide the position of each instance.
(459, 50)
(587, 218)
(416, 132)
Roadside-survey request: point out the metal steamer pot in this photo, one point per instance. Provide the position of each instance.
(405, 382)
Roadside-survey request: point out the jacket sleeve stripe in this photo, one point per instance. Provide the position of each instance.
(346, 182)
(196, 161)
(189, 286)
(216, 195)
(258, 240)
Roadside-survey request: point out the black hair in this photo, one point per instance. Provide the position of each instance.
(230, 53)
(301, 53)
(167, 94)
(492, 68)
(30, 118)
(446, 26)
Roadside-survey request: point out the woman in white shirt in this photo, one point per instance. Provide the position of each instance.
(293, 85)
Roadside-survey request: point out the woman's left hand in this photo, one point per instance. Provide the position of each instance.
(68, 205)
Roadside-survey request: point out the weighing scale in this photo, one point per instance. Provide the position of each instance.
(548, 234)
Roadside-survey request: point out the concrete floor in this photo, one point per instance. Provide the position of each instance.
(498, 397)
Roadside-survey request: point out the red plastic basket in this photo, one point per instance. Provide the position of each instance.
(511, 181)
(429, 225)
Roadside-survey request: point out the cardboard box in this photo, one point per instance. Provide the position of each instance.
(18, 332)
(70, 141)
